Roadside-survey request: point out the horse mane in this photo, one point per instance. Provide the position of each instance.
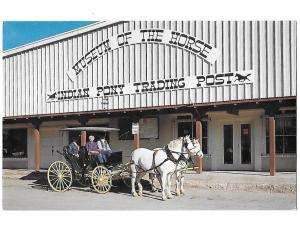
(175, 144)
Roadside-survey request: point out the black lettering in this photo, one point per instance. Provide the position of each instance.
(181, 83)
(113, 90)
(159, 35)
(160, 85)
(88, 57)
(143, 33)
(76, 68)
(86, 92)
(121, 88)
(137, 87)
(174, 37)
(200, 79)
(228, 75)
(185, 40)
(106, 90)
(99, 90)
(206, 51)
(219, 79)
(145, 86)
(152, 88)
(190, 41)
(212, 77)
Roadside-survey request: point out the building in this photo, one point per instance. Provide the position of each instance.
(225, 82)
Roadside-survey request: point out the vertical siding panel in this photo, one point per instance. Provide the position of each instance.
(90, 70)
(65, 69)
(38, 80)
(60, 72)
(70, 57)
(75, 56)
(43, 81)
(262, 59)
(231, 90)
(240, 57)
(5, 88)
(248, 55)
(255, 59)
(293, 58)
(27, 94)
(286, 59)
(56, 75)
(52, 75)
(47, 77)
(270, 59)
(19, 86)
(278, 62)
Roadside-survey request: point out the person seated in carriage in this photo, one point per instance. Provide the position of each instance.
(105, 151)
(74, 148)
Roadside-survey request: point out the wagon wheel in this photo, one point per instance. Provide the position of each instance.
(59, 176)
(126, 175)
(101, 179)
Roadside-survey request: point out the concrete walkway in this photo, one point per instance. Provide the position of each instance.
(282, 182)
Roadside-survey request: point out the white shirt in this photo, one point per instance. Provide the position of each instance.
(103, 145)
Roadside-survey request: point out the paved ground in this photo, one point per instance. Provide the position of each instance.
(32, 193)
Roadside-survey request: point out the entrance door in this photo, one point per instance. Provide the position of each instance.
(237, 146)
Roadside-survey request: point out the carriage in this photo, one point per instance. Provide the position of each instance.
(86, 170)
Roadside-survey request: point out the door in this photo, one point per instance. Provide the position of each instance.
(237, 146)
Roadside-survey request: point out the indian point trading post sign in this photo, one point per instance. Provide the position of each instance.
(173, 38)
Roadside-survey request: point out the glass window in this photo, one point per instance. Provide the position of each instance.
(125, 126)
(15, 143)
(285, 135)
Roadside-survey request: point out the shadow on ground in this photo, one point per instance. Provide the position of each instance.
(40, 182)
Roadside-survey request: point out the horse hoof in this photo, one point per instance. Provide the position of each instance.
(182, 192)
(170, 197)
(134, 194)
(177, 193)
(154, 190)
(140, 194)
(164, 198)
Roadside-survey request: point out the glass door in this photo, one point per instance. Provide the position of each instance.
(237, 144)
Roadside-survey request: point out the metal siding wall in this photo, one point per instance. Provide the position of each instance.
(267, 47)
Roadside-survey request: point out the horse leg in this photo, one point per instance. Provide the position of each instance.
(169, 194)
(163, 185)
(133, 179)
(181, 184)
(177, 183)
(152, 177)
(138, 180)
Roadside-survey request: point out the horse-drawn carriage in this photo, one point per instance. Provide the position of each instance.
(86, 169)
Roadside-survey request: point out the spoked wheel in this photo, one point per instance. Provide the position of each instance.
(101, 179)
(59, 176)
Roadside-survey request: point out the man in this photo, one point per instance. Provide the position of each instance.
(74, 148)
(104, 148)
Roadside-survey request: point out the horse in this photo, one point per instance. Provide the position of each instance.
(165, 162)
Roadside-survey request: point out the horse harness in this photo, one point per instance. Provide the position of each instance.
(169, 157)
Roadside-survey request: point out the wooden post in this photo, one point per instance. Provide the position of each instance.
(272, 148)
(136, 142)
(83, 138)
(199, 137)
(37, 149)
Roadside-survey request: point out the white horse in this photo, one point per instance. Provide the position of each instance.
(164, 162)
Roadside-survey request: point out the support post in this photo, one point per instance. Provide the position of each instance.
(37, 149)
(272, 148)
(199, 137)
(136, 137)
(37, 145)
(83, 138)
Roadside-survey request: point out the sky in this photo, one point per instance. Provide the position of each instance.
(17, 33)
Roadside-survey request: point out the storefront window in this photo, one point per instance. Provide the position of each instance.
(285, 134)
(14, 143)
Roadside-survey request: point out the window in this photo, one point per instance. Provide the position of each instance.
(15, 143)
(285, 129)
(125, 126)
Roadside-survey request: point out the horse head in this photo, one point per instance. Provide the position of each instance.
(193, 146)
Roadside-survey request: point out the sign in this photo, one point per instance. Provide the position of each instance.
(200, 81)
(148, 128)
(135, 128)
(160, 36)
